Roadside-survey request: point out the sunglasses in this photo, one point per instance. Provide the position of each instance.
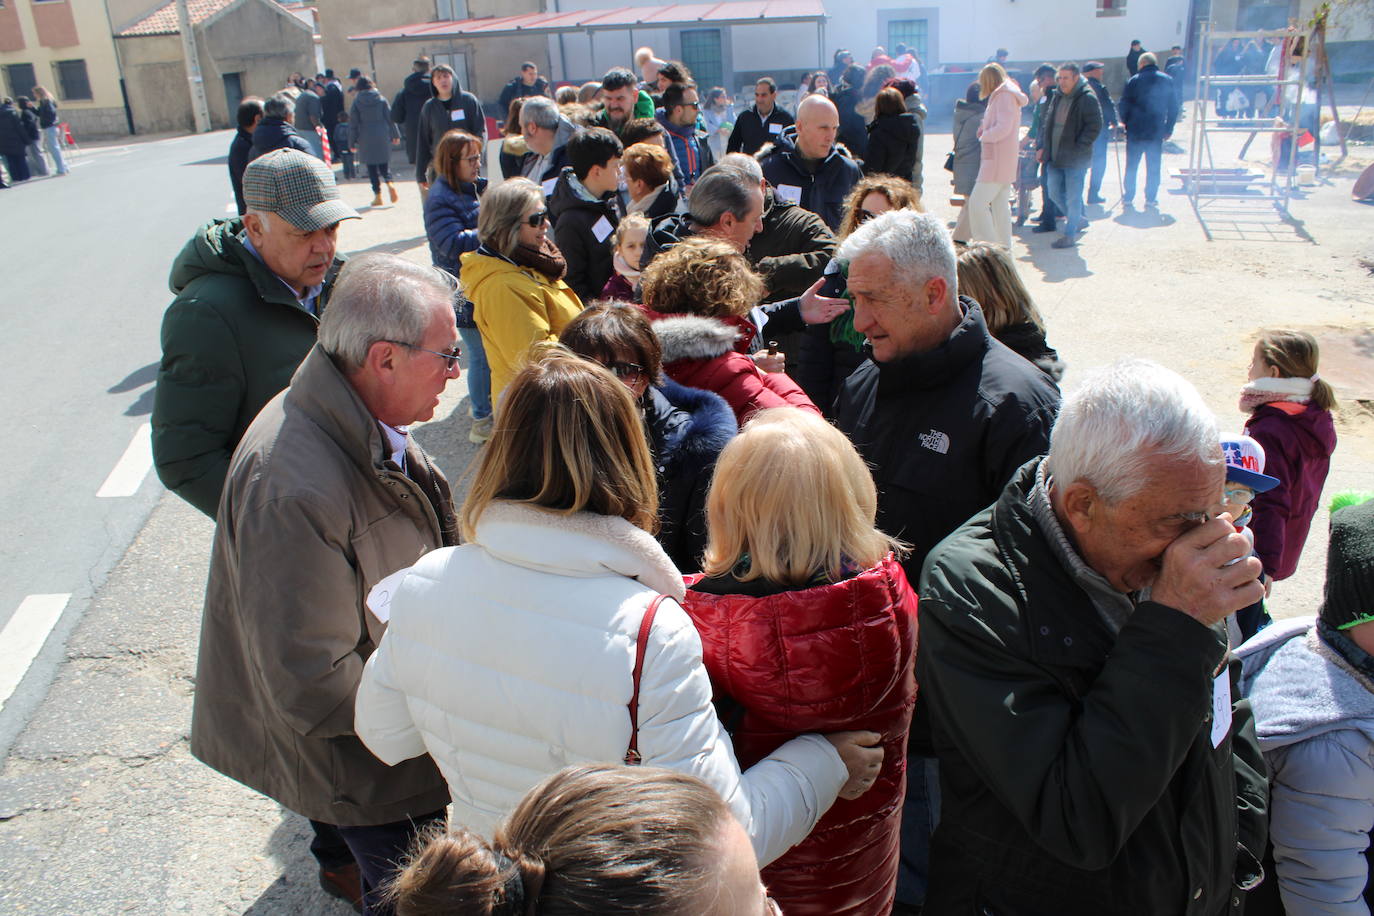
(627, 372)
(538, 218)
(450, 357)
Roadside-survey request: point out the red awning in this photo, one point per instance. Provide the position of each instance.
(674, 15)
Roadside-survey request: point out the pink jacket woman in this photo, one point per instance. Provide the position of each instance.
(1001, 124)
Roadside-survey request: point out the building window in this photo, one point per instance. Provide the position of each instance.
(1111, 8)
(445, 10)
(914, 33)
(20, 79)
(72, 83)
(701, 52)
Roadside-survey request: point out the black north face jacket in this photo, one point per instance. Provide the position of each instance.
(945, 430)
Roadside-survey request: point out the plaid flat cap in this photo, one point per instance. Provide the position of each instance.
(297, 187)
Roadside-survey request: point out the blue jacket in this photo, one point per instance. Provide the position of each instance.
(274, 133)
(822, 191)
(691, 156)
(451, 222)
(1148, 107)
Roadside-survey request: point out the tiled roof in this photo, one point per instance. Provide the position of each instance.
(163, 20)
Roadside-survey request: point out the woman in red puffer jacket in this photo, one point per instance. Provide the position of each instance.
(696, 294)
(808, 624)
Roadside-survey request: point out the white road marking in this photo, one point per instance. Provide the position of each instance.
(23, 638)
(132, 466)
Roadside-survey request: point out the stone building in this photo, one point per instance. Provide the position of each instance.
(245, 47)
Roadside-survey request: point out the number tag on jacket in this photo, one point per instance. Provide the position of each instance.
(1221, 706)
(457, 114)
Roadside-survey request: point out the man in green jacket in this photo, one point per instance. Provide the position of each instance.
(249, 295)
(1095, 755)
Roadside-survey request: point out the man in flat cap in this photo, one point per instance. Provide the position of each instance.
(1093, 71)
(249, 293)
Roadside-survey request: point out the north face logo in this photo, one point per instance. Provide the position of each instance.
(936, 441)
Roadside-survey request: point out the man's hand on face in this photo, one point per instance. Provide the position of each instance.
(1208, 573)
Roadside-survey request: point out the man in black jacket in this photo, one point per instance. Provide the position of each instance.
(410, 101)
(450, 107)
(275, 130)
(585, 209)
(1092, 71)
(943, 413)
(1065, 145)
(1149, 109)
(249, 114)
(760, 124)
(807, 167)
(1133, 57)
(1095, 755)
(528, 83)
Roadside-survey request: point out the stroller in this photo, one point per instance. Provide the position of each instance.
(1027, 180)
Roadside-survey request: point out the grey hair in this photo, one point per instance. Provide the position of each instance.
(1125, 418)
(278, 106)
(917, 244)
(721, 189)
(745, 163)
(498, 222)
(381, 297)
(543, 112)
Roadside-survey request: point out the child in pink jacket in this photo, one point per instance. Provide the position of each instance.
(989, 210)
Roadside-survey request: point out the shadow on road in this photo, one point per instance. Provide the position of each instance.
(297, 889)
(217, 160)
(391, 247)
(136, 379)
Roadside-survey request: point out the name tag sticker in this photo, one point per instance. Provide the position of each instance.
(457, 114)
(790, 193)
(548, 186)
(775, 128)
(602, 228)
(379, 598)
(1221, 706)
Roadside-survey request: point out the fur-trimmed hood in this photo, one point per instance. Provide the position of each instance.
(693, 337)
(687, 426)
(786, 144)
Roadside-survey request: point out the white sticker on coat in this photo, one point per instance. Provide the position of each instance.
(602, 228)
(790, 193)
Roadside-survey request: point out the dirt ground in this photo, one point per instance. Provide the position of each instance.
(1149, 286)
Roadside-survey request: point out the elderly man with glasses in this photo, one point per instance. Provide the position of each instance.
(327, 495)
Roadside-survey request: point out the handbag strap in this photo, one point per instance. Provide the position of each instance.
(632, 757)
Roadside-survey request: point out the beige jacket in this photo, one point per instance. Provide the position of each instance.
(312, 516)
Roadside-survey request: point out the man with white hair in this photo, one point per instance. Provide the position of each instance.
(807, 167)
(1093, 755)
(944, 413)
(546, 134)
(327, 495)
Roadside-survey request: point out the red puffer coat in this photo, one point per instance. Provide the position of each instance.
(712, 354)
(825, 659)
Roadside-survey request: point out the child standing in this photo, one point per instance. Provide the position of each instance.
(628, 244)
(339, 142)
(1245, 478)
(1290, 416)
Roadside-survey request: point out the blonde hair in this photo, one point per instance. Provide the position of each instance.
(498, 222)
(597, 838)
(989, 78)
(630, 222)
(568, 438)
(701, 276)
(900, 194)
(1295, 354)
(753, 511)
(988, 275)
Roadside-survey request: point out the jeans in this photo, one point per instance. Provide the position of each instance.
(378, 849)
(312, 140)
(1048, 211)
(1066, 190)
(377, 174)
(36, 164)
(920, 814)
(479, 373)
(53, 144)
(989, 213)
(1099, 167)
(1151, 150)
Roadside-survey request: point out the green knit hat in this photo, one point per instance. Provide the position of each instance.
(1350, 567)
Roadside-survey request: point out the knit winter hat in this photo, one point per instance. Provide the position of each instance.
(1350, 568)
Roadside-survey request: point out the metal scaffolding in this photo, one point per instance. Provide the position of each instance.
(1205, 182)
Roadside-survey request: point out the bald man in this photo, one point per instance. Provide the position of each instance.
(807, 167)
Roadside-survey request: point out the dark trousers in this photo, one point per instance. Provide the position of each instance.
(346, 158)
(377, 174)
(377, 850)
(1152, 150)
(920, 815)
(18, 166)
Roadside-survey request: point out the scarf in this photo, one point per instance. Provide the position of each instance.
(623, 268)
(1268, 390)
(648, 200)
(546, 259)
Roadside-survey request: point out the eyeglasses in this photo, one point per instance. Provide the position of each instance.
(450, 358)
(477, 158)
(537, 218)
(1238, 495)
(627, 372)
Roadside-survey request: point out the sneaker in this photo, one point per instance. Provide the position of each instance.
(1152, 205)
(1097, 200)
(1064, 241)
(1044, 227)
(480, 431)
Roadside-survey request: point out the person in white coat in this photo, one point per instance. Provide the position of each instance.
(511, 656)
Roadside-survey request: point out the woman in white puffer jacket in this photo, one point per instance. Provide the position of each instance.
(511, 657)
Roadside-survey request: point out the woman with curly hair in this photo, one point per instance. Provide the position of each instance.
(829, 352)
(697, 294)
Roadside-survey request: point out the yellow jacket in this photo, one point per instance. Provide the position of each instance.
(514, 307)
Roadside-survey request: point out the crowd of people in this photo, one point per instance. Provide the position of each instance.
(742, 416)
(27, 130)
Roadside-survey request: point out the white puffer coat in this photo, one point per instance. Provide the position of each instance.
(510, 658)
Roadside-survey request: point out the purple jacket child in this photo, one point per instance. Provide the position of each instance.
(1298, 440)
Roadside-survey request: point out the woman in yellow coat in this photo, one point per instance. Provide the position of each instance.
(515, 279)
